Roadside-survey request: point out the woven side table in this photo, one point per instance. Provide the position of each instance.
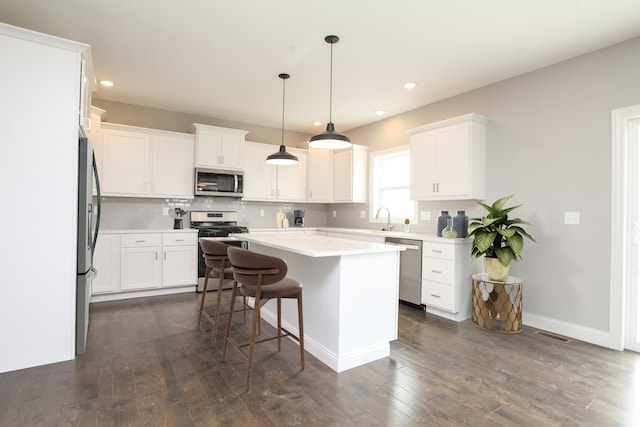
(497, 306)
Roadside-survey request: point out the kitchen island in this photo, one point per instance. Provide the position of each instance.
(350, 295)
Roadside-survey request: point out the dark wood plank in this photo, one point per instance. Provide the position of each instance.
(147, 365)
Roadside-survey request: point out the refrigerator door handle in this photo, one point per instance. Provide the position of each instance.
(98, 208)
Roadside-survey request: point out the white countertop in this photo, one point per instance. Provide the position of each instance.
(317, 246)
(425, 237)
(147, 231)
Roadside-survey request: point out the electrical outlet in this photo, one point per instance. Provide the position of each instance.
(165, 211)
(261, 212)
(425, 215)
(333, 213)
(572, 218)
(363, 214)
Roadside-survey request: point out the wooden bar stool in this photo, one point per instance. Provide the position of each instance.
(217, 267)
(263, 278)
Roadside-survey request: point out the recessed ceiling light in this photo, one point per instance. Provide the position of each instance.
(317, 123)
(380, 113)
(106, 83)
(409, 85)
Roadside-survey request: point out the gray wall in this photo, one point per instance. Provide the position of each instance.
(548, 142)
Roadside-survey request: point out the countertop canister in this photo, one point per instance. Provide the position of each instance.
(442, 222)
(461, 224)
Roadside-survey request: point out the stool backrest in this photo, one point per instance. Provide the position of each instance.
(249, 265)
(213, 252)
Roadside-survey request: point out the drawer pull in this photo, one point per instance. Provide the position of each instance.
(179, 240)
(436, 271)
(140, 241)
(435, 295)
(436, 251)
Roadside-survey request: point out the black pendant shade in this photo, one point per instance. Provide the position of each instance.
(330, 139)
(282, 157)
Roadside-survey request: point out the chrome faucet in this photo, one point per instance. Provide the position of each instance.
(389, 226)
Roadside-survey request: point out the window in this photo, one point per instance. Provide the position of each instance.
(390, 178)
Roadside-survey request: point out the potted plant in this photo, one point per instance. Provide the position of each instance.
(498, 238)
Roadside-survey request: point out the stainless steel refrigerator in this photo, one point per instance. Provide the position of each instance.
(88, 227)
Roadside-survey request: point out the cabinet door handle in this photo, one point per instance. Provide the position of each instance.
(179, 240)
(437, 187)
(435, 295)
(433, 187)
(165, 255)
(156, 255)
(436, 271)
(436, 251)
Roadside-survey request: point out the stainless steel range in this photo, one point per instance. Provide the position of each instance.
(220, 225)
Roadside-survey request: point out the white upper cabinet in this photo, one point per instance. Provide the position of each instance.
(448, 159)
(264, 182)
(337, 176)
(139, 162)
(320, 176)
(125, 163)
(218, 147)
(350, 175)
(292, 179)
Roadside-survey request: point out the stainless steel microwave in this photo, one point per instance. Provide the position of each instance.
(210, 182)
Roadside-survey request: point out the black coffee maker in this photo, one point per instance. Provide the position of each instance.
(298, 217)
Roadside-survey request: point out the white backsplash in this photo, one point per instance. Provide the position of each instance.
(142, 213)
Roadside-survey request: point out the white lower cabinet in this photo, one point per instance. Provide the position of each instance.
(179, 259)
(446, 278)
(140, 261)
(134, 264)
(106, 260)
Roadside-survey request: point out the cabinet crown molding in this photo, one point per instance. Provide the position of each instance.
(196, 126)
(452, 121)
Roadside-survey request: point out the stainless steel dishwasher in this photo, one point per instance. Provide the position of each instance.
(410, 269)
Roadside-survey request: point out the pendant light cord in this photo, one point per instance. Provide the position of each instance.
(284, 80)
(331, 85)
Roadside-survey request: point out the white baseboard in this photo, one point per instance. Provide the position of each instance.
(142, 293)
(331, 359)
(570, 330)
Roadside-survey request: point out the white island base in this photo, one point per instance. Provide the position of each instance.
(350, 297)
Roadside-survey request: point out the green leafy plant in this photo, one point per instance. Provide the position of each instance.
(497, 236)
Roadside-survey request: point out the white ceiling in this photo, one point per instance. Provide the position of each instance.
(221, 58)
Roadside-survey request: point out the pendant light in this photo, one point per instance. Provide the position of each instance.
(281, 157)
(330, 138)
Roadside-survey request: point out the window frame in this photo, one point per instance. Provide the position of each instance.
(374, 192)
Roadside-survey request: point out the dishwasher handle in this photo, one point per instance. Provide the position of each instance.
(410, 247)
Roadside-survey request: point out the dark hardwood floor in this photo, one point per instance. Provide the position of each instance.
(147, 366)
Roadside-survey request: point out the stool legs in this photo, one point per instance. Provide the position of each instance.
(255, 326)
(204, 293)
(229, 319)
(300, 331)
(216, 319)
